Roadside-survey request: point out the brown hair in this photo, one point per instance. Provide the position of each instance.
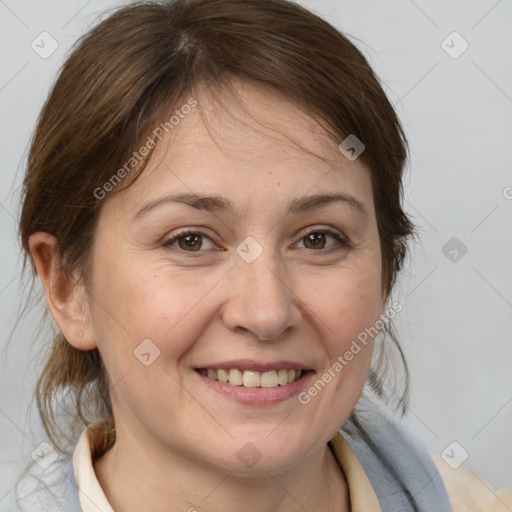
(134, 67)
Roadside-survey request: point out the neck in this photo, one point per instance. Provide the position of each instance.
(134, 478)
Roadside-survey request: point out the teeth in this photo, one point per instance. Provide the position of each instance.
(252, 378)
(269, 379)
(282, 377)
(222, 375)
(235, 377)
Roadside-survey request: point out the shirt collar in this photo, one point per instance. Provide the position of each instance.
(91, 495)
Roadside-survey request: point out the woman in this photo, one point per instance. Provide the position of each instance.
(213, 206)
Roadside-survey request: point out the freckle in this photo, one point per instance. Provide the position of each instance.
(278, 184)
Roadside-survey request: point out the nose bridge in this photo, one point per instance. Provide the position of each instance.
(260, 299)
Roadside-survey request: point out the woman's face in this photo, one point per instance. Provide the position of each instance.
(273, 274)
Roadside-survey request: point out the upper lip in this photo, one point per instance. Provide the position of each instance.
(249, 364)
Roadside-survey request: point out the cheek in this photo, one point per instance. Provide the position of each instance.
(136, 304)
(348, 310)
(350, 302)
(135, 301)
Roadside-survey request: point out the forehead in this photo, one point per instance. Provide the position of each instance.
(248, 141)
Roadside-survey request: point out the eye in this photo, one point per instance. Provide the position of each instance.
(189, 241)
(317, 239)
(195, 242)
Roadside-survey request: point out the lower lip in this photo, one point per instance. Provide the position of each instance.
(258, 396)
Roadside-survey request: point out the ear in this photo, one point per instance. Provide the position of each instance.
(66, 299)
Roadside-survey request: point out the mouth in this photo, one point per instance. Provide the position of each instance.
(252, 378)
(256, 384)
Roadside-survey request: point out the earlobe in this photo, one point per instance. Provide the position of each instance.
(65, 297)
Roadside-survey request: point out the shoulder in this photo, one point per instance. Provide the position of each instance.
(459, 490)
(47, 488)
(470, 492)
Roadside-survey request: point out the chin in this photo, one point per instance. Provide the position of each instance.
(250, 456)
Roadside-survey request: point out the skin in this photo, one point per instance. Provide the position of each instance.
(177, 440)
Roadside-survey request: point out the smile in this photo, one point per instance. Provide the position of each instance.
(252, 378)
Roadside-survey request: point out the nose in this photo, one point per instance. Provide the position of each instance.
(260, 300)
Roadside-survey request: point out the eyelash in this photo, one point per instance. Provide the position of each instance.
(344, 243)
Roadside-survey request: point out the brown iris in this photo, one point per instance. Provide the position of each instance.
(190, 242)
(316, 239)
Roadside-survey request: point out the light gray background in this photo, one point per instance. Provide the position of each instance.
(457, 113)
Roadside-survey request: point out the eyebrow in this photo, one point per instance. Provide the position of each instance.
(218, 204)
